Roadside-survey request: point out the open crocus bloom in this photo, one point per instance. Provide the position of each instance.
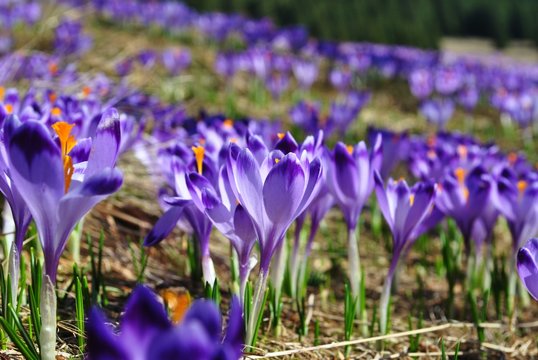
(61, 182)
(527, 266)
(273, 193)
(404, 209)
(463, 195)
(146, 333)
(228, 216)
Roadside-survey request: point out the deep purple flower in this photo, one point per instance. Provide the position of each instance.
(176, 60)
(305, 72)
(463, 195)
(350, 178)
(395, 148)
(146, 332)
(180, 207)
(517, 200)
(60, 184)
(404, 209)
(527, 266)
(70, 39)
(421, 83)
(437, 111)
(229, 217)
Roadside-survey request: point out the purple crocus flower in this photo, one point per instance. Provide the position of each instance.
(70, 39)
(437, 111)
(404, 210)
(463, 195)
(229, 217)
(305, 72)
(181, 207)
(421, 83)
(350, 178)
(176, 60)
(274, 193)
(340, 78)
(147, 333)
(19, 211)
(517, 200)
(277, 83)
(60, 184)
(527, 266)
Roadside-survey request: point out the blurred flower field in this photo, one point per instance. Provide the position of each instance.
(184, 185)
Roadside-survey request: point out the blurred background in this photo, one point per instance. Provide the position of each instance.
(421, 23)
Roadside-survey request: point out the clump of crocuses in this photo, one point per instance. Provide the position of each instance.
(146, 332)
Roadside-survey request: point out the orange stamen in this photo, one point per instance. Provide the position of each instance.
(512, 158)
(53, 68)
(9, 108)
(228, 123)
(86, 91)
(411, 199)
(460, 175)
(2, 93)
(53, 97)
(280, 136)
(349, 149)
(56, 111)
(67, 143)
(233, 140)
(521, 186)
(199, 153)
(177, 303)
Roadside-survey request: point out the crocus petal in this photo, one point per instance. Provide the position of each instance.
(527, 266)
(207, 314)
(102, 344)
(144, 318)
(244, 229)
(106, 143)
(164, 225)
(186, 341)
(283, 189)
(235, 329)
(248, 184)
(383, 201)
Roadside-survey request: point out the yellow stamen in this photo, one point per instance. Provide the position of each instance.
(199, 153)
(228, 124)
(280, 136)
(56, 111)
(411, 199)
(462, 151)
(277, 161)
(86, 91)
(512, 158)
(9, 108)
(521, 186)
(349, 149)
(67, 143)
(53, 68)
(460, 175)
(2, 93)
(177, 302)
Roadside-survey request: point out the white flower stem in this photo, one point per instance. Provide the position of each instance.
(354, 265)
(14, 273)
(47, 336)
(257, 307)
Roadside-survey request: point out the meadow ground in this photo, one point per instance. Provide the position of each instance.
(421, 291)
